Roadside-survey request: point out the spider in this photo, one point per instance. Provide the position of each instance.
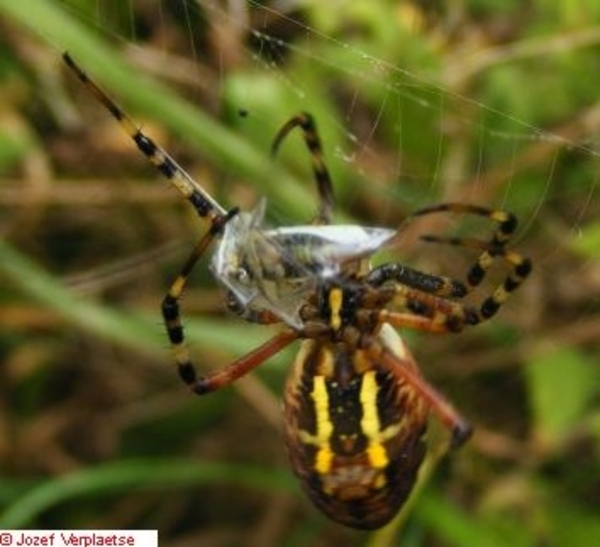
(356, 407)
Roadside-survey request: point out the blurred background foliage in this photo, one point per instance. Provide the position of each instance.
(477, 100)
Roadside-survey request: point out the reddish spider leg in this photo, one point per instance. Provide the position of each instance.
(442, 315)
(417, 309)
(405, 368)
(238, 368)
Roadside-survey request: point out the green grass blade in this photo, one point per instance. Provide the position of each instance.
(123, 476)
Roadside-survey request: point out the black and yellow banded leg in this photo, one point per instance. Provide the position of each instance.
(404, 368)
(507, 225)
(202, 202)
(489, 252)
(170, 305)
(520, 270)
(313, 142)
(432, 284)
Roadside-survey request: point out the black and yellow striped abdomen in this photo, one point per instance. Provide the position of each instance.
(354, 430)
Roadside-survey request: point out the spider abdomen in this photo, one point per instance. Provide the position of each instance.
(354, 431)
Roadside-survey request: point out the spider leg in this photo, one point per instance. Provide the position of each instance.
(405, 369)
(507, 225)
(411, 321)
(433, 284)
(240, 367)
(313, 142)
(420, 310)
(170, 304)
(259, 316)
(521, 268)
(202, 202)
(489, 252)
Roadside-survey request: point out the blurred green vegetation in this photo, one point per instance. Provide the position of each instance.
(481, 101)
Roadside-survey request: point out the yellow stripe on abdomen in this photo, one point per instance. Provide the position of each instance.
(370, 423)
(324, 427)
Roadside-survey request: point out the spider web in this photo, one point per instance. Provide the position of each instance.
(411, 112)
(403, 125)
(413, 108)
